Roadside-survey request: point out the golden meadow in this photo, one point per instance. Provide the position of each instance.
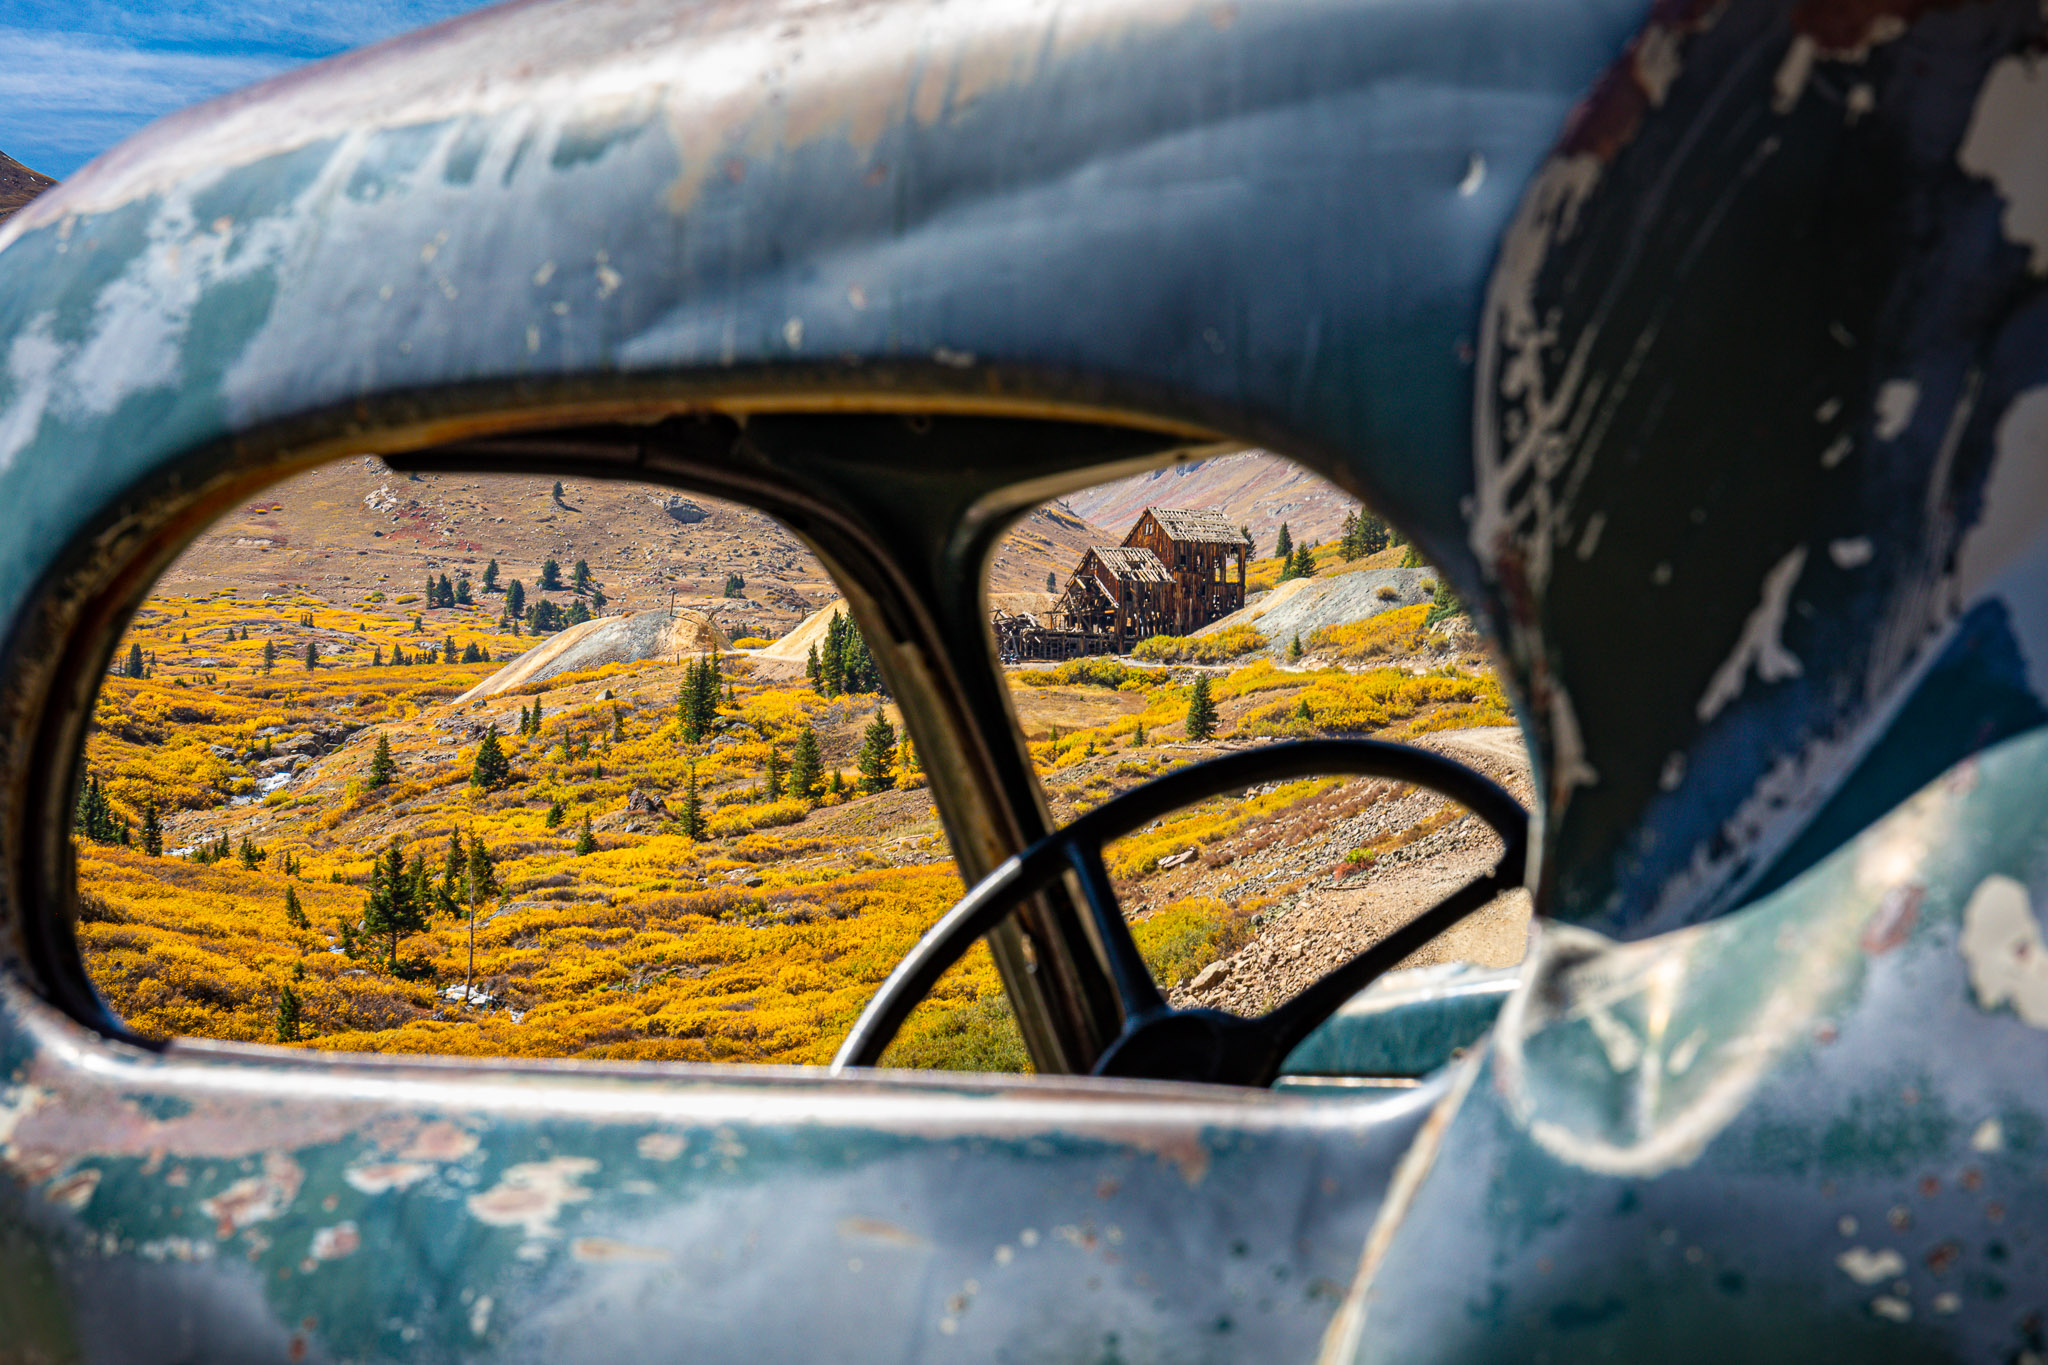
(758, 942)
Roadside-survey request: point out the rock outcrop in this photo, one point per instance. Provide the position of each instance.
(607, 640)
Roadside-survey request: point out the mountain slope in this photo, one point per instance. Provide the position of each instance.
(1251, 488)
(18, 185)
(352, 528)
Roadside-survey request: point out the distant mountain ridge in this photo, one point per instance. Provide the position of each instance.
(18, 185)
(1252, 488)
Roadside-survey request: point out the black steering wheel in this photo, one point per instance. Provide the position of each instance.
(1158, 1041)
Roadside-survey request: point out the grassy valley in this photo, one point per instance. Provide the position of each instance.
(661, 881)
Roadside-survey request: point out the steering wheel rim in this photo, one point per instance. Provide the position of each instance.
(1201, 1044)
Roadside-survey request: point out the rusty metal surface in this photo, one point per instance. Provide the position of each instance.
(1814, 1130)
(197, 1205)
(1758, 440)
(551, 214)
(1749, 482)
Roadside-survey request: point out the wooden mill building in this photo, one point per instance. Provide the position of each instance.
(1176, 571)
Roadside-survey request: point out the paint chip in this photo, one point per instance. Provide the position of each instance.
(1865, 1266)
(1896, 400)
(793, 333)
(1898, 1310)
(1760, 644)
(1475, 176)
(531, 1194)
(1850, 554)
(1989, 1137)
(2003, 145)
(331, 1244)
(2001, 942)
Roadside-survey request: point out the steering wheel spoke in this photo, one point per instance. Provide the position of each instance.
(1127, 970)
(1198, 1044)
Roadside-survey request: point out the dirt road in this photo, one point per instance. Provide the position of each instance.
(1330, 923)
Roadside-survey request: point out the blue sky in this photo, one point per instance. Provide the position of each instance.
(80, 75)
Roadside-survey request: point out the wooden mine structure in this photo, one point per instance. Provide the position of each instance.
(1177, 570)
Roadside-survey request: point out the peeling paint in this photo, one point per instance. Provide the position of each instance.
(379, 1176)
(659, 1146)
(1760, 644)
(2003, 145)
(531, 1194)
(257, 1198)
(74, 1191)
(605, 1250)
(2009, 521)
(2001, 942)
(333, 1243)
(1897, 400)
(1868, 1267)
(879, 1230)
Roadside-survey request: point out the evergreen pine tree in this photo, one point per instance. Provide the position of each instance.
(1347, 540)
(579, 577)
(1283, 544)
(515, 600)
(453, 867)
(1294, 649)
(447, 592)
(1051, 583)
(393, 911)
(376, 657)
(773, 779)
(491, 576)
(1251, 546)
(287, 1015)
(876, 744)
(832, 659)
(557, 812)
(135, 667)
(152, 830)
(814, 672)
(550, 576)
(449, 653)
(312, 655)
(1304, 562)
(382, 769)
(586, 841)
(492, 769)
(250, 854)
(838, 783)
(462, 593)
(1138, 736)
(1201, 710)
(294, 912)
(806, 771)
(693, 807)
(618, 726)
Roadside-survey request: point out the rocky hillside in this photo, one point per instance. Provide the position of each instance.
(353, 528)
(18, 185)
(1252, 488)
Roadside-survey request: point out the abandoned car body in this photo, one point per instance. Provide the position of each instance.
(1561, 289)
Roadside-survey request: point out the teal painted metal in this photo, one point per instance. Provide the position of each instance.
(1409, 1024)
(1816, 1128)
(1774, 282)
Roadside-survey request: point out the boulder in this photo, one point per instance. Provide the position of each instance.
(607, 640)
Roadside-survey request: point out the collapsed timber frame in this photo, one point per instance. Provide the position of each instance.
(1176, 571)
